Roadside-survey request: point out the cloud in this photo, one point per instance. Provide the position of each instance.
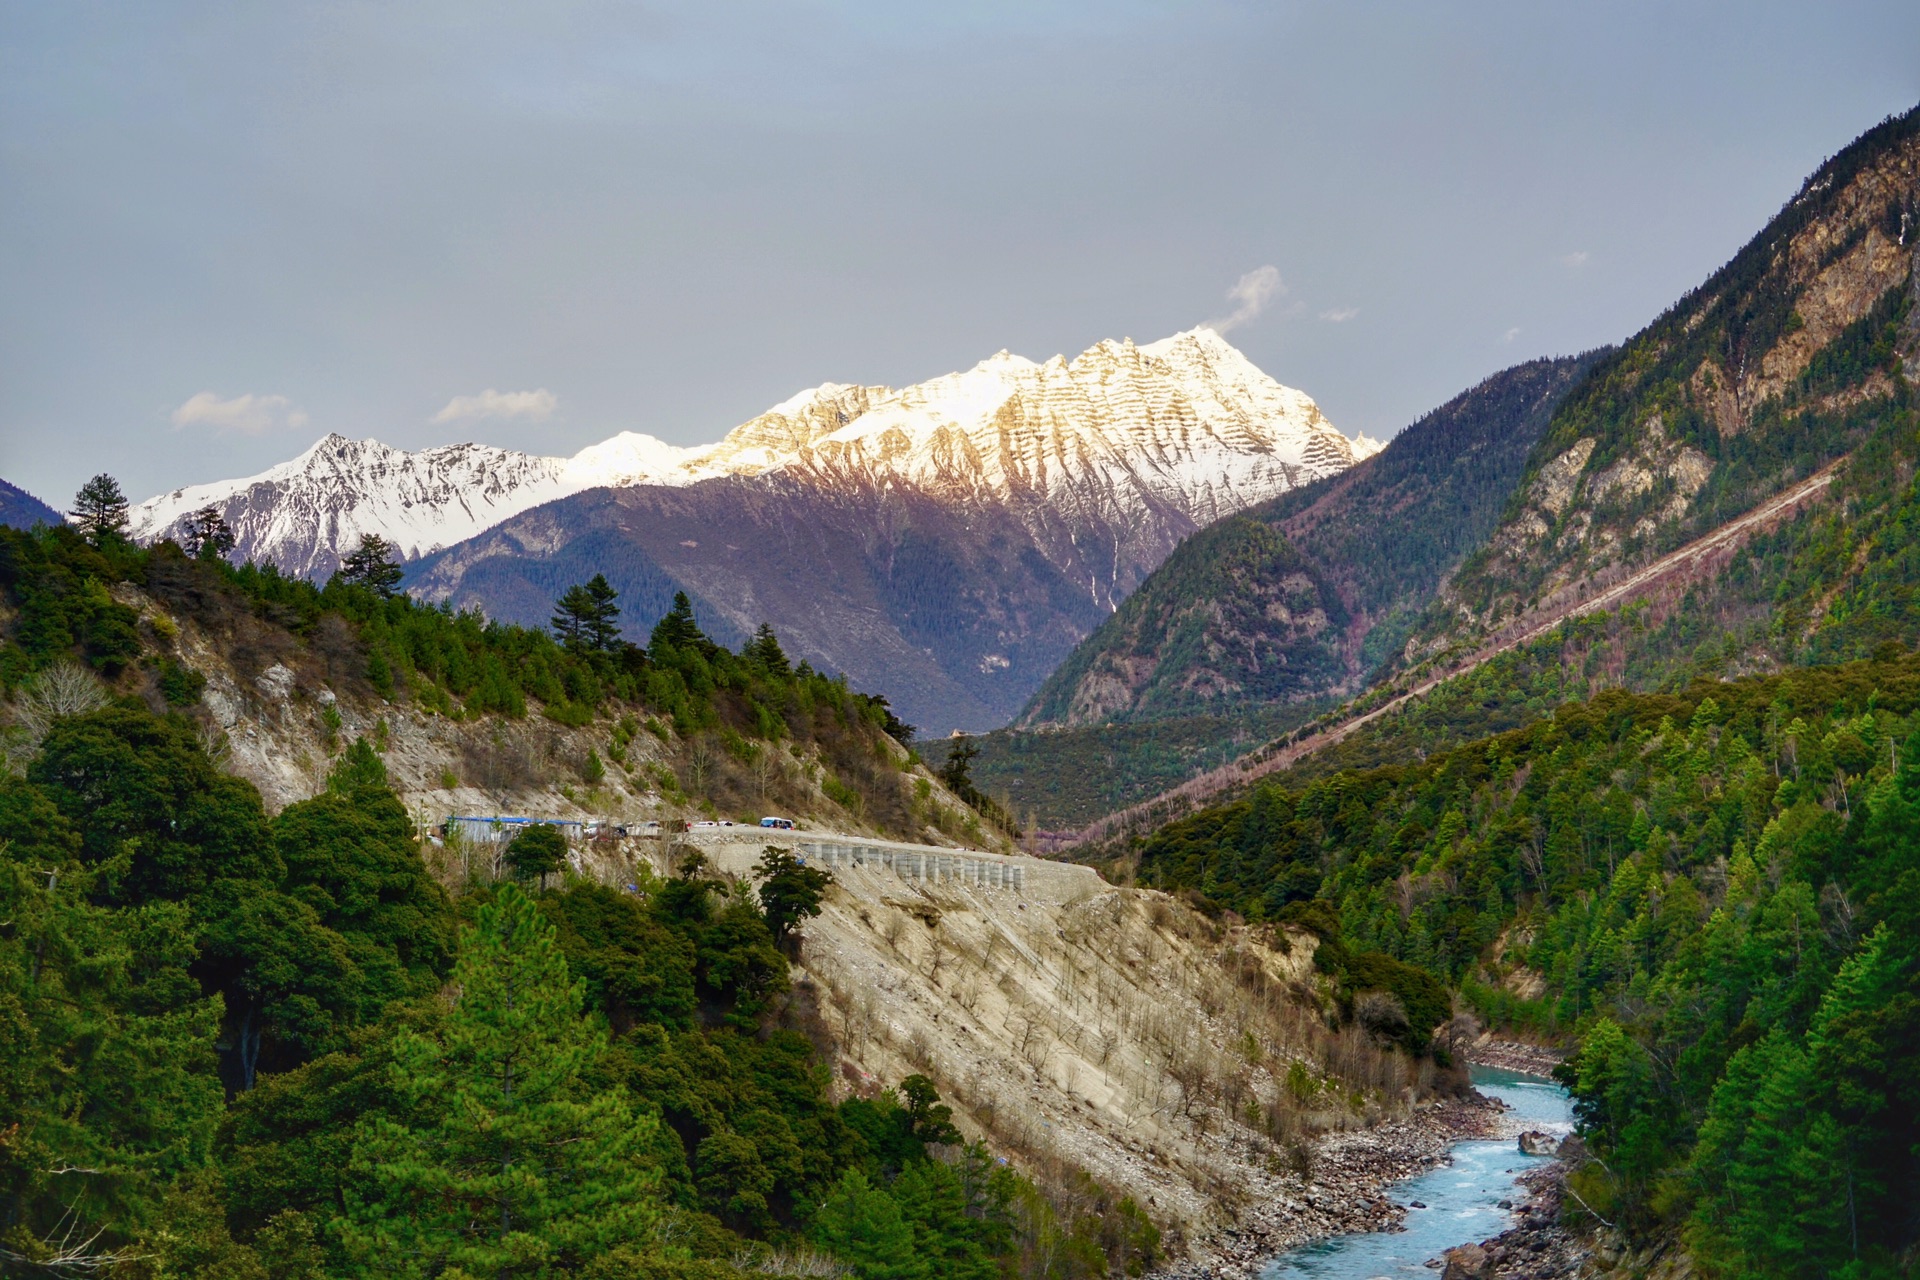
(1510, 334)
(1339, 315)
(248, 414)
(537, 405)
(1578, 258)
(1249, 297)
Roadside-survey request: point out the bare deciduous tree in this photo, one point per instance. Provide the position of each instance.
(64, 689)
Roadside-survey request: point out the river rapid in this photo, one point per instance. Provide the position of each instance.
(1457, 1203)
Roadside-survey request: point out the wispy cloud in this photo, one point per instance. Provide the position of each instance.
(536, 405)
(1578, 258)
(1250, 297)
(1339, 315)
(1510, 334)
(248, 414)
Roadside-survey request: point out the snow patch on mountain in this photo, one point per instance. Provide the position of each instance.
(305, 513)
(1186, 427)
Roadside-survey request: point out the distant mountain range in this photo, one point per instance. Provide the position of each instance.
(1732, 490)
(946, 543)
(22, 510)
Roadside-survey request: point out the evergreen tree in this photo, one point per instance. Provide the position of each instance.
(373, 565)
(764, 649)
(931, 1119)
(790, 891)
(350, 852)
(894, 727)
(107, 1089)
(537, 852)
(571, 615)
(603, 626)
(208, 536)
(862, 1226)
(506, 1165)
(678, 630)
(957, 772)
(100, 510)
(586, 618)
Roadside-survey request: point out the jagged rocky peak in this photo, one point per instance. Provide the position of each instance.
(1187, 426)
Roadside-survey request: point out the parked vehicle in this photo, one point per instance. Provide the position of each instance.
(778, 824)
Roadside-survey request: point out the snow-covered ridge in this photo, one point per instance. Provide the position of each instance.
(1186, 425)
(305, 513)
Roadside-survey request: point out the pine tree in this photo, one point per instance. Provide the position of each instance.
(537, 852)
(107, 1088)
(208, 536)
(506, 1165)
(790, 891)
(957, 772)
(862, 1226)
(765, 649)
(372, 565)
(572, 615)
(603, 626)
(679, 630)
(586, 617)
(100, 510)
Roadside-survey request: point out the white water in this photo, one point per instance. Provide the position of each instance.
(1462, 1198)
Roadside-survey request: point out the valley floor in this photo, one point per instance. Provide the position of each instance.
(1347, 1189)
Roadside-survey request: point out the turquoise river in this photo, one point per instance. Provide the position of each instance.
(1461, 1199)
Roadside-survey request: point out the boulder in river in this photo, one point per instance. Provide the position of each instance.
(1467, 1262)
(1535, 1143)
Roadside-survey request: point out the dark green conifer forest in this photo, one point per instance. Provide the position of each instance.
(1716, 894)
(240, 1047)
(236, 1045)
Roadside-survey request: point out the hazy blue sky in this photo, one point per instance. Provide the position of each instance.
(228, 228)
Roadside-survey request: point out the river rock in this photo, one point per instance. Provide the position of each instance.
(1467, 1262)
(1535, 1143)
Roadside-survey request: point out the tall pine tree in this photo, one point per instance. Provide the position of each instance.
(507, 1164)
(373, 565)
(100, 510)
(208, 535)
(585, 617)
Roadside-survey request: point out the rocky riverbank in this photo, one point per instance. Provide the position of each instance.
(1513, 1055)
(1536, 1247)
(1539, 1246)
(1346, 1190)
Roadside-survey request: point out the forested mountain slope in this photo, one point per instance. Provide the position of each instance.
(1714, 893)
(1789, 357)
(304, 1040)
(22, 510)
(471, 716)
(1301, 596)
(1829, 576)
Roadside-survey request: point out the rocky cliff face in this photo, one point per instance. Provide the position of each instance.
(1784, 360)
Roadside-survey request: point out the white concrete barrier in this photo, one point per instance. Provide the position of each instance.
(860, 862)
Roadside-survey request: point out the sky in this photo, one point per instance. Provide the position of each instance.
(227, 229)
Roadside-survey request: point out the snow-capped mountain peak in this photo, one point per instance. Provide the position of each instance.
(1186, 427)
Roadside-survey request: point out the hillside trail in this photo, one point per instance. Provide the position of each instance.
(1689, 564)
